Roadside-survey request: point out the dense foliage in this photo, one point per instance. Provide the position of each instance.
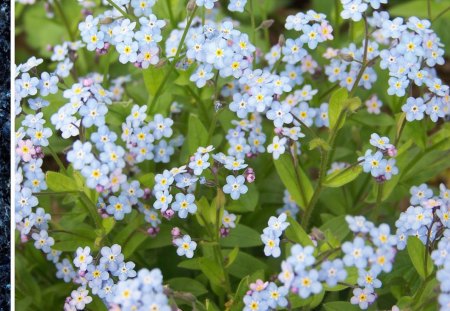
(232, 155)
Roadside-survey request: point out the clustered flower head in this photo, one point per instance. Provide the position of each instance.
(265, 296)
(371, 252)
(380, 168)
(428, 218)
(135, 41)
(271, 235)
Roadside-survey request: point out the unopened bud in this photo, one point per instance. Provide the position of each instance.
(147, 193)
(266, 24)
(24, 238)
(168, 214)
(224, 232)
(106, 20)
(190, 6)
(176, 232)
(88, 82)
(346, 57)
(391, 151)
(317, 234)
(278, 130)
(281, 40)
(153, 231)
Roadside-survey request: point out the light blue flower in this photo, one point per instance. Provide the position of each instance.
(235, 186)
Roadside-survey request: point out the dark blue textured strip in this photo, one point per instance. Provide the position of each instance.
(5, 172)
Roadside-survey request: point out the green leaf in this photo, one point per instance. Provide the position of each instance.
(312, 301)
(212, 271)
(60, 183)
(197, 134)
(318, 143)
(187, 285)
(417, 252)
(417, 8)
(242, 236)
(108, 224)
(342, 177)
(153, 77)
(147, 180)
(296, 181)
(339, 306)
(352, 104)
(335, 107)
(245, 203)
(245, 264)
(295, 233)
(337, 226)
(231, 257)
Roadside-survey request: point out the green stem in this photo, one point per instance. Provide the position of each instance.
(252, 19)
(122, 11)
(440, 14)
(429, 10)
(325, 156)
(57, 159)
(174, 62)
(379, 196)
(64, 19)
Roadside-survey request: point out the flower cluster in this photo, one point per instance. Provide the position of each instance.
(145, 291)
(111, 28)
(426, 217)
(271, 235)
(185, 245)
(100, 275)
(265, 296)
(371, 252)
(374, 163)
(354, 9)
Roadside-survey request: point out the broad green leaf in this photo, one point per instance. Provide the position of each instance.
(318, 143)
(295, 233)
(231, 257)
(312, 301)
(245, 264)
(342, 177)
(337, 226)
(212, 270)
(417, 253)
(245, 203)
(339, 306)
(242, 236)
(418, 8)
(59, 182)
(197, 134)
(108, 224)
(153, 77)
(147, 180)
(336, 105)
(187, 285)
(296, 181)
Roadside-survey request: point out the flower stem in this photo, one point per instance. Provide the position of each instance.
(175, 59)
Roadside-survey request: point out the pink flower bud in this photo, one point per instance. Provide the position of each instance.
(168, 214)
(24, 238)
(153, 231)
(392, 151)
(176, 232)
(99, 188)
(250, 178)
(87, 82)
(224, 232)
(147, 194)
(278, 130)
